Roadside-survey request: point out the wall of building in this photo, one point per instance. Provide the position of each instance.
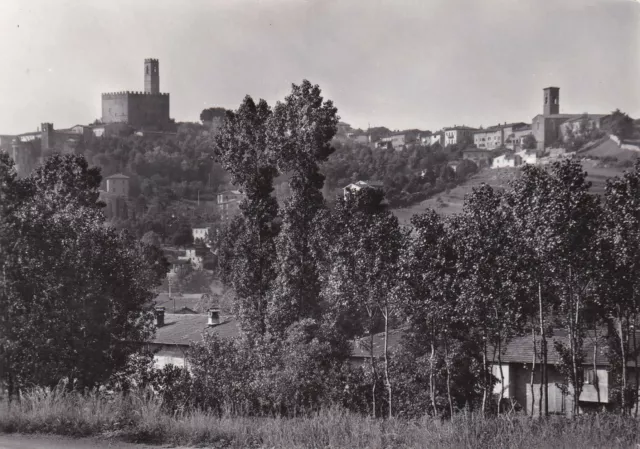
(558, 403)
(118, 186)
(115, 107)
(169, 355)
(148, 110)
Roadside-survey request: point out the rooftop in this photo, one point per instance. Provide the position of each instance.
(184, 329)
(117, 176)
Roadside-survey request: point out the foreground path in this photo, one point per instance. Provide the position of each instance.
(56, 442)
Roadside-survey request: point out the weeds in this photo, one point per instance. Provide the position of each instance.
(139, 418)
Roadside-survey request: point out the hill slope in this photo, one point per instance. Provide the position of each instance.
(451, 202)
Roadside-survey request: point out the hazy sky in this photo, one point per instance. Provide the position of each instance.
(402, 64)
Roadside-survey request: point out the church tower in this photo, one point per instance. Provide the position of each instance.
(151, 76)
(551, 101)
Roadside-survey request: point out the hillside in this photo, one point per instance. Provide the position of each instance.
(451, 202)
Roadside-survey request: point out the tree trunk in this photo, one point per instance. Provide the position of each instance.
(375, 375)
(447, 365)
(432, 389)
(544, 387)
(635, 358)
(596, 381)
(502, 387)
(533, 365)
(484, 374)
(623, 355)
(387, 380)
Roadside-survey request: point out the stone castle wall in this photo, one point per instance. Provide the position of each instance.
(138, 109)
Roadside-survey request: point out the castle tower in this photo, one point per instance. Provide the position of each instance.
(151, 76)
(47, 136)
(551, 101)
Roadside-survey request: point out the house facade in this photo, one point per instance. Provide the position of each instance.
(396, 142)
(458, 135)
(175, 333)
(228, 203)
(477, 155)
(505, 135)
(357, 186)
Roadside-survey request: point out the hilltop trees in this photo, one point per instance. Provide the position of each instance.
(75, 294)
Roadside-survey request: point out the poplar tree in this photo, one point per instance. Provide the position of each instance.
(241, 148)
(619, 286)
(300, 133)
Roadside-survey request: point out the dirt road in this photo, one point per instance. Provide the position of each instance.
(55, 442)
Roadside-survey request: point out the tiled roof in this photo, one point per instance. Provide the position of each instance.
(590, 116)
(361, 346)
(185, 329)
(517, 350)
(520, 349)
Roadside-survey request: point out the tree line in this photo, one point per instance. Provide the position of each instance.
(540, 255)
(312, 282)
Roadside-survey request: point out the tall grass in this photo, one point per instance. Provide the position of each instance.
(139, 417)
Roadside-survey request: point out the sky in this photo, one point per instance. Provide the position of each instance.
(402, 64)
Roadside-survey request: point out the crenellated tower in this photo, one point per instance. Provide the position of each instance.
(151, 76)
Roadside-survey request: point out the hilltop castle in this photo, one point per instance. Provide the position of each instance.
(148, 110)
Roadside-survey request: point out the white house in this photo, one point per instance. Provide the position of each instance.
(357, 186)
(201, 233)
(505, 160)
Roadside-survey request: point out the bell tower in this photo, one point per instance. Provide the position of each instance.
(151, 76)
(551, 101)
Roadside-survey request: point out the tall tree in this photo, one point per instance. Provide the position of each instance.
(619, 288)
(241, 148)
(489, 264)
(300, 133)
(363, 273)
(76, 295)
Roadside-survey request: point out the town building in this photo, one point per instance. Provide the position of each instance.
(359, 185)
(177, 331)
(437, 138)
(116, 197)
(141, 110)
(458, 135)
(228, 203)
(505, 135)
(548, 127)
(201, 233)
(515, 159)
(196, 255)
(396, 142)
(512, 367)
(478, 155)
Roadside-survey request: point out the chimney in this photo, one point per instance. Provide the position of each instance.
(214, 317)
(159, 316)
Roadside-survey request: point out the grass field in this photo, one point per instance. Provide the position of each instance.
(451, 202)
(139, 418)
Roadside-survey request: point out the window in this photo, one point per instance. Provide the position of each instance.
(546, 100)
(590, 376)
